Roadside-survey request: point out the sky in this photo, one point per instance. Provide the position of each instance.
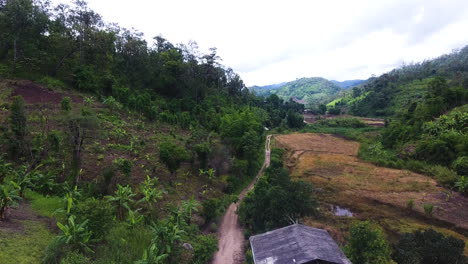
(270, 41)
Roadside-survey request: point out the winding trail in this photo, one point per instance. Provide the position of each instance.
(230, 233)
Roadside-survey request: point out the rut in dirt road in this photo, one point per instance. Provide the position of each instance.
(230, 233)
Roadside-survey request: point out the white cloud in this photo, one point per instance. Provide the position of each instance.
(274, 41)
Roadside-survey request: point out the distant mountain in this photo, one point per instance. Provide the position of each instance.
(268, 87)
(306, 90)
(348, 83)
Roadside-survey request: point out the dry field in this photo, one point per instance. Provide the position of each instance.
(330, 163)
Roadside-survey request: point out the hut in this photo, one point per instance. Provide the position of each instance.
(296, 244)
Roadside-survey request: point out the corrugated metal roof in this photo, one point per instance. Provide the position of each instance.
(296, 244)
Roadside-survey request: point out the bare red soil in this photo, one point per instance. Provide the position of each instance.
(36, 94)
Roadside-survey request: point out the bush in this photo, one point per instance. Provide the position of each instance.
(52, 83)
(435, 150)
(204, 247)
(124, 165)
(66, 104)
(112, 104)
(460, 165)
(275, 201)
(100, 216)
(172, 155)
(429, 247)
(443, 175)
(215, 207)
(367, 244)
(428, 209)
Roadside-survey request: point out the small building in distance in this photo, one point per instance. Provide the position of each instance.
(296, 244)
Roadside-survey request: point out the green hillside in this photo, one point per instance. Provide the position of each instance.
(308, 90)
(395, 92)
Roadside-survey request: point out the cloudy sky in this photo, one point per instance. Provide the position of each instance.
(274, 41)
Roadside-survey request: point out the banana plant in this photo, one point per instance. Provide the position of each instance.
(134, 218)
(122, 199)
(150, 192)
(152, 255)
(75, 235)
(188, 207)
(8, 197)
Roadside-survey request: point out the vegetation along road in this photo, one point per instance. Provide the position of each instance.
(231, 236)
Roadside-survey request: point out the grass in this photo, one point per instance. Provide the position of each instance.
(24, 247)
(44, 206)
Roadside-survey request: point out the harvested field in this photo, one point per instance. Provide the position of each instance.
(381, 194)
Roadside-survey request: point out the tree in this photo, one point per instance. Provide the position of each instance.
(322, 109)
(172, 155)
(18, 127)
(367, 244)
(429, 247)
(295, 120)
(80, 127)
(22, 24)
(276, 201)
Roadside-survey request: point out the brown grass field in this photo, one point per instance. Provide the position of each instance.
(373, 193)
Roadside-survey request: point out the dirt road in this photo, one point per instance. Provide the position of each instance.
(230, 233)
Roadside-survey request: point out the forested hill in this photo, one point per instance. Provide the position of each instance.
(348, 83)
(308, 90)
(133, 147)
(403, 88)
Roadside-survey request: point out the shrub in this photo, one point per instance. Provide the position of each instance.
(429, 247)
(460, 165)
(66, 104)
(367, 244)
(443, 175)
(462, 184)
(435, 150)
(410, 204)
(112, 104)
(428, 209)
(172, 155)
(124, 165)
(98, 213)
(52, 83)
(204, 246)
(8, 197)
